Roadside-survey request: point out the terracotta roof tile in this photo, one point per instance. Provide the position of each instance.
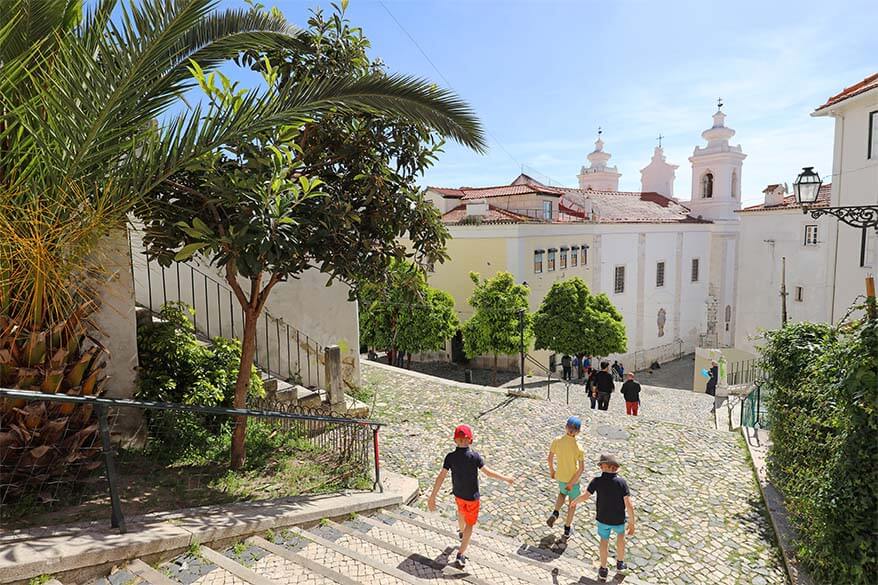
(867, 84)
(789, 202)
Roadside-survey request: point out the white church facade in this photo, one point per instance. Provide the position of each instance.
(667, 265)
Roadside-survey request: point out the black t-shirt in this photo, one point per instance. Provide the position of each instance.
(604, 382)
(464, 464)
(611, 491)
(631, 391)
(565, 361)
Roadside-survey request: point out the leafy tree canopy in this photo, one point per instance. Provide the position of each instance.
(499, 304)
(405, 314)
(572, 320)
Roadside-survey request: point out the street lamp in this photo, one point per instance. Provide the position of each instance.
(807, 187)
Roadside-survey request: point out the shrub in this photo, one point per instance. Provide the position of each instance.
(176, 367)
(823, 413)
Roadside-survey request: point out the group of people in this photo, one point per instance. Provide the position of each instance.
(601, 383)
(582, 365)
(566, 465)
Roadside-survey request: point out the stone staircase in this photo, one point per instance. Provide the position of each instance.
(400, 546)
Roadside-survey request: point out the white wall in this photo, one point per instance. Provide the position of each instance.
(766, 238)
(854, 182)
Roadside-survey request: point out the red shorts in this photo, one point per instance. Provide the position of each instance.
(468, 510)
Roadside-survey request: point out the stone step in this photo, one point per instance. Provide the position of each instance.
(479, 564)
(537, 556)
(323, 568)
(241, 572)
(356, 536)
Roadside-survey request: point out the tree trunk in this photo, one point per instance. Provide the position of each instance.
(242, 385)
(494, 372)
(390, 360)
(409, 361)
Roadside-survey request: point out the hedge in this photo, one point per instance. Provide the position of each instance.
(823, 416)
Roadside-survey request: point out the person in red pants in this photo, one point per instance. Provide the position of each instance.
(631, 392)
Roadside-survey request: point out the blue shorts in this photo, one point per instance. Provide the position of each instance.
(605, 529)
(573, 493)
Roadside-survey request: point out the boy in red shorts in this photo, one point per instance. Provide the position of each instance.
(464, 464)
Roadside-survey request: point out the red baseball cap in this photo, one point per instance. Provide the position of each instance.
(463, 432)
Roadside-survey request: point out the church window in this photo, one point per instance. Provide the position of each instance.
(707, 186)
(585, 255)
(810, 235)
(873, 136)
(563, 257)
(574, 256)
(547, 210)
(695, 270)
(660, 274)
(800, 294)
(734, 184)
(728, 316)
(538, 261)
(619, 280)
(552, 253)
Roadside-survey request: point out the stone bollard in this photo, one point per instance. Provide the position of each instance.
(333, 376)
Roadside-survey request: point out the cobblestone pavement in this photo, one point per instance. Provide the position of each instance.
(700, 515)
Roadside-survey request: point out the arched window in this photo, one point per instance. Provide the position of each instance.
(728, 316)
(707, 186)
(734, 184)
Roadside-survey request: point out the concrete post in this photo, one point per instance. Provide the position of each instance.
(333, 376)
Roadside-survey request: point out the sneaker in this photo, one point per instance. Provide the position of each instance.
(568, 532)
(621, 566)
(551, 519)
(461, 561)
(603, 573)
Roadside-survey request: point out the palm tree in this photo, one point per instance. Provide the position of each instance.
(85, 133)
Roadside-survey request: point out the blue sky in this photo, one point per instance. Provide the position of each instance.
(544, 74)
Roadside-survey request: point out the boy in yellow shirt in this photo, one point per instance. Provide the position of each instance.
(568, 455)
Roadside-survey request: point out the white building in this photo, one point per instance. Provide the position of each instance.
(826, 260)
(668, 267)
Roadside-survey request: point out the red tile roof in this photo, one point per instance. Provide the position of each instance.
(495, 215)
(867, 84)
(789, 202)
(469, 193)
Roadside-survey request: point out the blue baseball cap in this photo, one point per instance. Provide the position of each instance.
(574, 422)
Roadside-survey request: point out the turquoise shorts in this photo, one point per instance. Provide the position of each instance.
(605, 529)
(573, 493)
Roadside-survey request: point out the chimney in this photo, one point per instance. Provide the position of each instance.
(774, 195)
(477, 208)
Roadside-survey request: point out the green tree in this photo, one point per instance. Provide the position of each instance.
(572, 320)
(241, 207)
(405, 315)
(81, 94)
(499, 306)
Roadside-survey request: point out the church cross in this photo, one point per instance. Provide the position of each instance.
(600, 131)
(660, 139)
(719, 103)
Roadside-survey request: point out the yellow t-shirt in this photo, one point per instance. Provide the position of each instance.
(568, 454)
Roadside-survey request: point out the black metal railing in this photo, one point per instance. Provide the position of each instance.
(744, 372)
(549, 377)
(68, 458)
(282, 350)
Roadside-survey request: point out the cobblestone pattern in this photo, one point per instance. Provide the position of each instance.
(700, 517)
(189, 570)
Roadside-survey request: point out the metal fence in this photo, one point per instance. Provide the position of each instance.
(282, 351)
(744, 372)
(69, 458)
(754, 411)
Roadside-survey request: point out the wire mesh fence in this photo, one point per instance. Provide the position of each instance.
(67, 459)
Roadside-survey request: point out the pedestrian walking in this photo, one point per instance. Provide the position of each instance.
(464, 464)
(714, 376)
(618, 370)
(577, 367)
(566, 366)
(566, 464)
(631, 392)
(591, 389)
(613, 509)
(604, 384)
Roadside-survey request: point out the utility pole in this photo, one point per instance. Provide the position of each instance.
(521, 335)
(783, 290)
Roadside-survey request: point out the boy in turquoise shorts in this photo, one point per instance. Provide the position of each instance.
(566, 453)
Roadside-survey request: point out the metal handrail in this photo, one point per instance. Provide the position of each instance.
(283, 333)
(102, 405)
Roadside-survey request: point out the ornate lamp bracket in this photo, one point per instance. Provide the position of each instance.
(859, 216)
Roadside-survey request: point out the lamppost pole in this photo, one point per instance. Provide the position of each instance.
(783, 290)
(521, 336)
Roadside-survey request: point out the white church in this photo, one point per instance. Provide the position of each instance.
(684, 274)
